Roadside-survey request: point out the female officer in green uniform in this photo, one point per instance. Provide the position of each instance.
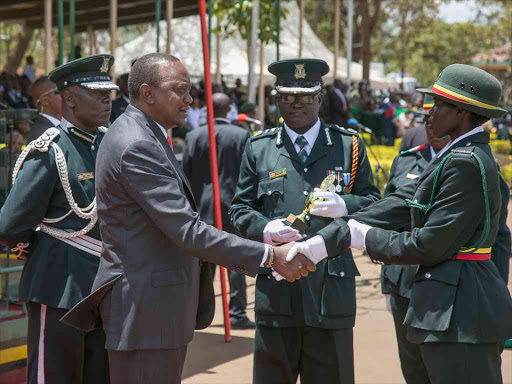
(460, 308)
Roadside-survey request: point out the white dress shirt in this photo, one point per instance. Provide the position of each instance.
(311, 135)
(451, 143)
(52, 119)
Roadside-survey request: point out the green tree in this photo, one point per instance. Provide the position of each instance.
(235, 17)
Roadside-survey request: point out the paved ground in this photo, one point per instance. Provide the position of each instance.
(212, 361)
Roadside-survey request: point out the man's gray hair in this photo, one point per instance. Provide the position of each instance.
(146, 70)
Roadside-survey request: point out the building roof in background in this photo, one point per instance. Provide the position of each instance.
(497, 59)
(92, 12)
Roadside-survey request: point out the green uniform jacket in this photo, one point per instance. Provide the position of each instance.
(56, 274)
(326, 298)
(451, 300)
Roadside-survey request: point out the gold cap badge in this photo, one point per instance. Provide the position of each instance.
(104, 66)
(300, 71)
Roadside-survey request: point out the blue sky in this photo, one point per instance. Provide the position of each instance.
(458, 12)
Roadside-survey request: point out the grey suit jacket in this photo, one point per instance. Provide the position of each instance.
(153, 241)
(38, 127)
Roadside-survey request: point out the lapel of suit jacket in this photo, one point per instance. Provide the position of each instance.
(158, 135)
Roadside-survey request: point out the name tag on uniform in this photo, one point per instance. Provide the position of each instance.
(338, 168)
(276, 174)
(85, 176)
(411, 176)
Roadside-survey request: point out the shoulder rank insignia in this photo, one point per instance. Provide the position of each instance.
(327, 136)
(265, 133)
(103, 129)
(43, 142)
(347, 131)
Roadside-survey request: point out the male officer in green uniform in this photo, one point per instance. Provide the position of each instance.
(53, 190)
(460, 308)
(302, 328)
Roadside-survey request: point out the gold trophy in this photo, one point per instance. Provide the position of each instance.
(299, 222)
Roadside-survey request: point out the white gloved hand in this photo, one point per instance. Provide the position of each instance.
(358, 233)
(276, 232)
(332, 206)
(314, 249)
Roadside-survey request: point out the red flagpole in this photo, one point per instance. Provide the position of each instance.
(214, 172)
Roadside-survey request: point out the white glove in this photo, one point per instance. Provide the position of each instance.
(276, 232)
(332, 206)
(358, 233)
(314, 249)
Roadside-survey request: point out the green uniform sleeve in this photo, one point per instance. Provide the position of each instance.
(450, 223)
(28, 201)
(245, 212)
(364, 192)
(501, 249)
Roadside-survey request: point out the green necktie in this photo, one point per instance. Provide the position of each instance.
(302, 142)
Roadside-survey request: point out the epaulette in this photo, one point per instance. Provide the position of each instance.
(44, 141)
(464, 151)
(265, 133)
(103, 129)
(346, 131)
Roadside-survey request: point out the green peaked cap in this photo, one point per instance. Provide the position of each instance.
(469, 88)
(91, 72)
(299, 76)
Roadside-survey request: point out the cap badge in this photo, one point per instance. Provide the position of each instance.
(104, 66)
(300, 71)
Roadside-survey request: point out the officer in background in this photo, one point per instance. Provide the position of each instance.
(306, 327)
(230, 141)
(119, 105)
(63, 255)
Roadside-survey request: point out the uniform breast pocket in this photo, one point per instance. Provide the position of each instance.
(272, 194)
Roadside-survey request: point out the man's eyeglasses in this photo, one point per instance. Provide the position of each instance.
(302, 99)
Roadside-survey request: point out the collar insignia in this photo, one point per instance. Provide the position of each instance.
(300, 71)
(104, 66)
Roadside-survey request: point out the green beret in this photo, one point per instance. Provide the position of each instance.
(469, 88)
(90, 72)
(299, 76)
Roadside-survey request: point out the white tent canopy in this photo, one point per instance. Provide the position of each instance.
(186, 45)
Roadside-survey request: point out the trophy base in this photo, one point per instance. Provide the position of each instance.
(296, 223)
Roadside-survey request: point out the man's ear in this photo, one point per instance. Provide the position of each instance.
(68, 98)
(146, 94)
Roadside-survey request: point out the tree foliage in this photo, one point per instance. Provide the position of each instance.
(236, 16)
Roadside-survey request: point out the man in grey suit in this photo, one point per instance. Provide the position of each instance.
(147, 291)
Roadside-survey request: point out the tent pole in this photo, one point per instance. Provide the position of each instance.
(113, 33)
(169, 15)
(261, 90)
(71, 30)
(252, 49)
(60, 24)
(158, 11)
(214, 172)
(47, 35)
(301, 27)
(278, 27)
(210, 11)
(278, 33)
(350, 17)
(336, 38)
